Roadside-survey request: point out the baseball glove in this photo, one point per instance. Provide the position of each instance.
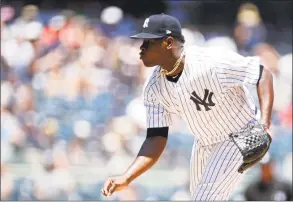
(253, 142)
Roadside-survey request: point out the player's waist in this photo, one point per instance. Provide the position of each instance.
(209, 136)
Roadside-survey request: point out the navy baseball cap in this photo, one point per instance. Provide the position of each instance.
(158, 26)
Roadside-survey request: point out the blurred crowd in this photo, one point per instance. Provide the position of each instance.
(72, 113)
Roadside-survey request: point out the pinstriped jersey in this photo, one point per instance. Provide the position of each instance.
(211, 94)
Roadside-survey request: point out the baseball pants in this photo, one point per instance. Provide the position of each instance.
(213, 171)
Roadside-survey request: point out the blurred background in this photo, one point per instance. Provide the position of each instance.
(71, 86)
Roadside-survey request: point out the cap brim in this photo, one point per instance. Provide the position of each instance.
(145, 36)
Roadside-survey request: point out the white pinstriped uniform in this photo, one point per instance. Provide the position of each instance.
(212, 96)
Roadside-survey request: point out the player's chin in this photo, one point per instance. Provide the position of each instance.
(148, 63)
(149, 66)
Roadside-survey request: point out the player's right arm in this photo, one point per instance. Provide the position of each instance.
(149, 153)
(158, 121)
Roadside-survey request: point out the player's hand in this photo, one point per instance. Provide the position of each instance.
(114, 184)
(267, 129)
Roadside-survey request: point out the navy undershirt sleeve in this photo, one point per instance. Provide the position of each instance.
(163, 132)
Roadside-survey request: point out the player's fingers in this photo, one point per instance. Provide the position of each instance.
(103, 192)
(112, 188)
(107, 186)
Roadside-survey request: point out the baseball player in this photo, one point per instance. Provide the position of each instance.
(207, 87)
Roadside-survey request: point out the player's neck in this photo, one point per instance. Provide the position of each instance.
(172, 59)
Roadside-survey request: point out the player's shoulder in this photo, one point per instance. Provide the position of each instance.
(220, 54)
(207, 53)
(154, 74)
(152, 78)
(191, 50)
(216, 51)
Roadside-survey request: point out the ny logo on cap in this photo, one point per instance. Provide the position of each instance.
(146, 23)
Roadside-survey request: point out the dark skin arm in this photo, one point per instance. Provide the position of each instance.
(266, 97)
(148, 155)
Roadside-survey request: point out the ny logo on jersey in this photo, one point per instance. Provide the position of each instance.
(146, 23)
(198, 101)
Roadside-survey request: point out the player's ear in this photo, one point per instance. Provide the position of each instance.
(169, 42)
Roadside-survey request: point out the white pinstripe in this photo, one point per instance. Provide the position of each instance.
(227, 75)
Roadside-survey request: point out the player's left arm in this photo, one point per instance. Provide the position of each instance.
(265, 95)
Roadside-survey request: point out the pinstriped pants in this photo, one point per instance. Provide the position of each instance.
(213, 171)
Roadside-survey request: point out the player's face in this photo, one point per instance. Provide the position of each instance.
(152, 52)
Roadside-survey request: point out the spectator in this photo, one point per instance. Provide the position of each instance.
(249, 29)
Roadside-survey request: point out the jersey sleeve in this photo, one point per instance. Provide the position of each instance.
(157, 115)
(233, 69)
